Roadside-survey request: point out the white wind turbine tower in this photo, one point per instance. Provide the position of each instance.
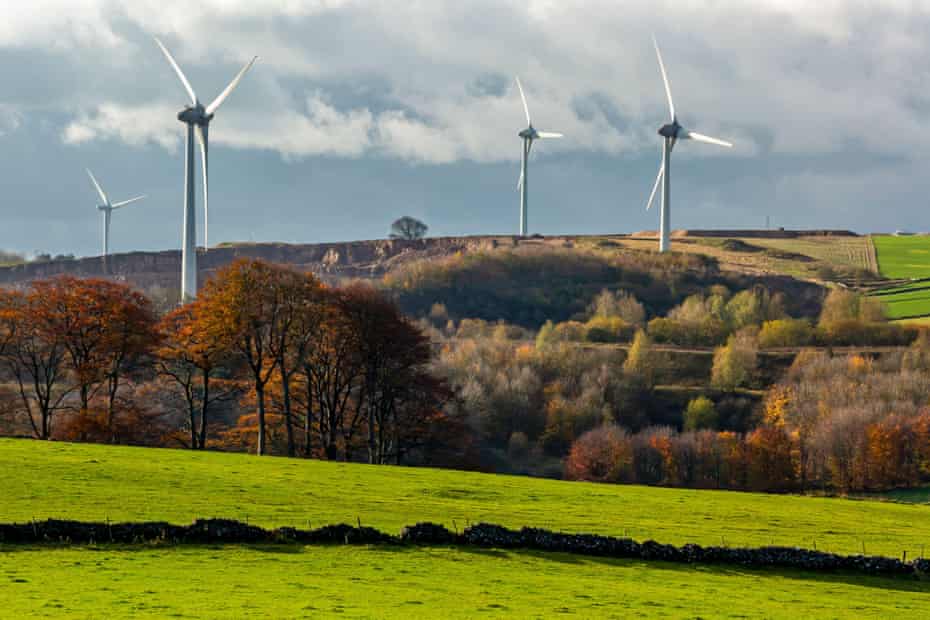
(107, 208)
(672, 132)
(529, 134)
(197, 118)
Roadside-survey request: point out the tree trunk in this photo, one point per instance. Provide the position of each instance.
(260, 395)
(85, 408)
(191, 411)
(45, 424)
(111, 408)
(370, 406)
(203, 411)
(288, 421)
(308, 427)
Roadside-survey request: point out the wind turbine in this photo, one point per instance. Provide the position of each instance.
(197, 118)
(529, 134)
(107, 208)
(672, 132)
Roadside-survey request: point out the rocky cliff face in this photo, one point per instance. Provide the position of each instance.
(330, 261)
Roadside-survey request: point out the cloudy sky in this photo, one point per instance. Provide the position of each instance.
(361, 111)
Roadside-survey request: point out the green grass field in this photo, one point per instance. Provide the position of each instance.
(120, 483)
(909, 301)
(359, 582)
(905, 257)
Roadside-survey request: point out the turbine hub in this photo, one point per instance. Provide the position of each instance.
(194, 115)
(670, 130)
(529, 132)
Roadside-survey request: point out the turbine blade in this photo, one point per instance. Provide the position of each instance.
(549, 134)
(177, 69)
(213, 107)
(699, 137)
(103, 195)
(203, 138)
(668, 89)
(655, 187)
(526, 108)
(520, 182)
(117, 205)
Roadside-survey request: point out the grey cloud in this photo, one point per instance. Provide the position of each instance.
(822, 99)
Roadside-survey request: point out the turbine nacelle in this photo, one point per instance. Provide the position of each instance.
(670, 130)
(195, 115)
(529, 133)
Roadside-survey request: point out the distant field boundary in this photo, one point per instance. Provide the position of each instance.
(872, 256)
(223, 531)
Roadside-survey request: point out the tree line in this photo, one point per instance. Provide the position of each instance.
(266, 358)
(833, 423)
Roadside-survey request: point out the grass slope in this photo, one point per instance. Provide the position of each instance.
(905, 257)
(120, 483)
(98, 482)
(269, 582)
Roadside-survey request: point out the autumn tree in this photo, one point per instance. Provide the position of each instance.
(34, 358)
(243, 307)
(106, 329)
(331, 373)
(735, 363)
(195, 361)
(700, 414)
(603, 454)
(303, 300)
(641, 362)
(393, 354)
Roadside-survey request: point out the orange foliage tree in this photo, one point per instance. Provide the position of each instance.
(106, 329)
(243, 307)
(197, 364)
(34, 358)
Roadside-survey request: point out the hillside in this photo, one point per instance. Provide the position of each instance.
(155, 581)
(352, 259)
(374, 258)
(93, 482)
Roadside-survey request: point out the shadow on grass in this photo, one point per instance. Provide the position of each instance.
(900, 584)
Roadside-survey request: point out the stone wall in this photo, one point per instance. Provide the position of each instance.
(215, 531)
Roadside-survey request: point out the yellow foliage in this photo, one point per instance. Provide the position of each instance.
(776, 405)
(859, 364)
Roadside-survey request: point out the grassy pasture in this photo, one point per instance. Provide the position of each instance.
(359, 582)
(98, 482)
(122, 483)
(909, 301)
(903, 257)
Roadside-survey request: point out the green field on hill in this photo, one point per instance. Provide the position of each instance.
(98, 482)
(904, 257)
(91, 482)
(369, 582)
